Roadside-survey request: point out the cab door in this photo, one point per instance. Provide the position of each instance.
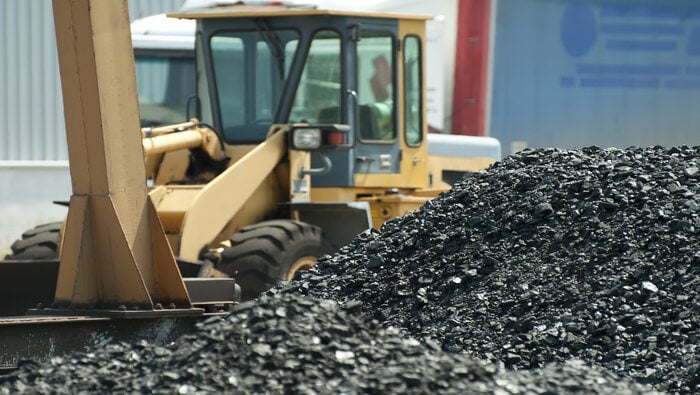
(377, 145)
(389, 116)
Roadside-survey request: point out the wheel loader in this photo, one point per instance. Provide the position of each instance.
(260, 70)
(306, 128)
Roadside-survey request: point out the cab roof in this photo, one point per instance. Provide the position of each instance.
(264, 11)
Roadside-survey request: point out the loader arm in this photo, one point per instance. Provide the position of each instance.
(222, 198)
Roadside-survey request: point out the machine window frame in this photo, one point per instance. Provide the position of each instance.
(419, 98)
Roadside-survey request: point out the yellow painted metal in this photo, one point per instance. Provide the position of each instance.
(384, 181)
(236, 152)
(157, 131)
(330, 194)
(224, 196)
(173, 140)
(114, 249)
(172, 202)
(435, 164)
(384, 204)
(439, 163)
(386, 207)
(166, 150)
(275, 188)
(263, 201)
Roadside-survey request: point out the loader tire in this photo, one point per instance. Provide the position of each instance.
(41, 242)
(264, 254)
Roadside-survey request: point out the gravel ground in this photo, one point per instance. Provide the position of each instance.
(553, 271)
(549, 255)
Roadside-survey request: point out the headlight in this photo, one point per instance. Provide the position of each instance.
(307, 139)
(319, 137)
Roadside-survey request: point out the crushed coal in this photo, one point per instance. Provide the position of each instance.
(554, 271)
(551, 254)
(286, 343)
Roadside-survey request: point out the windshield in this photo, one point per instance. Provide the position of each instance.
(317, 98)
(250, 69)
(165, 82)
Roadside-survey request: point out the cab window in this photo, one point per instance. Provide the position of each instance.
(375, 87)
(318, 95)
(165, 82)
(250, 69)
(413, 110)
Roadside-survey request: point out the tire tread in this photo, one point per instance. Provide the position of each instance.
(259, 256)
(40, 242)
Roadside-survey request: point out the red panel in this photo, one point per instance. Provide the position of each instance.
(471, 63)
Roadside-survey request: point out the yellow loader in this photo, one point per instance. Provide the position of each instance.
(312, 130)
(308, 128)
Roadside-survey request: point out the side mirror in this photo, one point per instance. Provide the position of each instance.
(320, 137)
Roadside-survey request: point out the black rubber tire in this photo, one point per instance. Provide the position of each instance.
(41, 242)
(261, 255)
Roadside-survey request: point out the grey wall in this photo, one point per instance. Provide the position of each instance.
(30, 105)
(31, 108)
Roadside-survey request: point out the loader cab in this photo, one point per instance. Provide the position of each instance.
(256, 68)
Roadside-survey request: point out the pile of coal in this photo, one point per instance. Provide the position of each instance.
(549, 255)
(554, 271)
(293, 344)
